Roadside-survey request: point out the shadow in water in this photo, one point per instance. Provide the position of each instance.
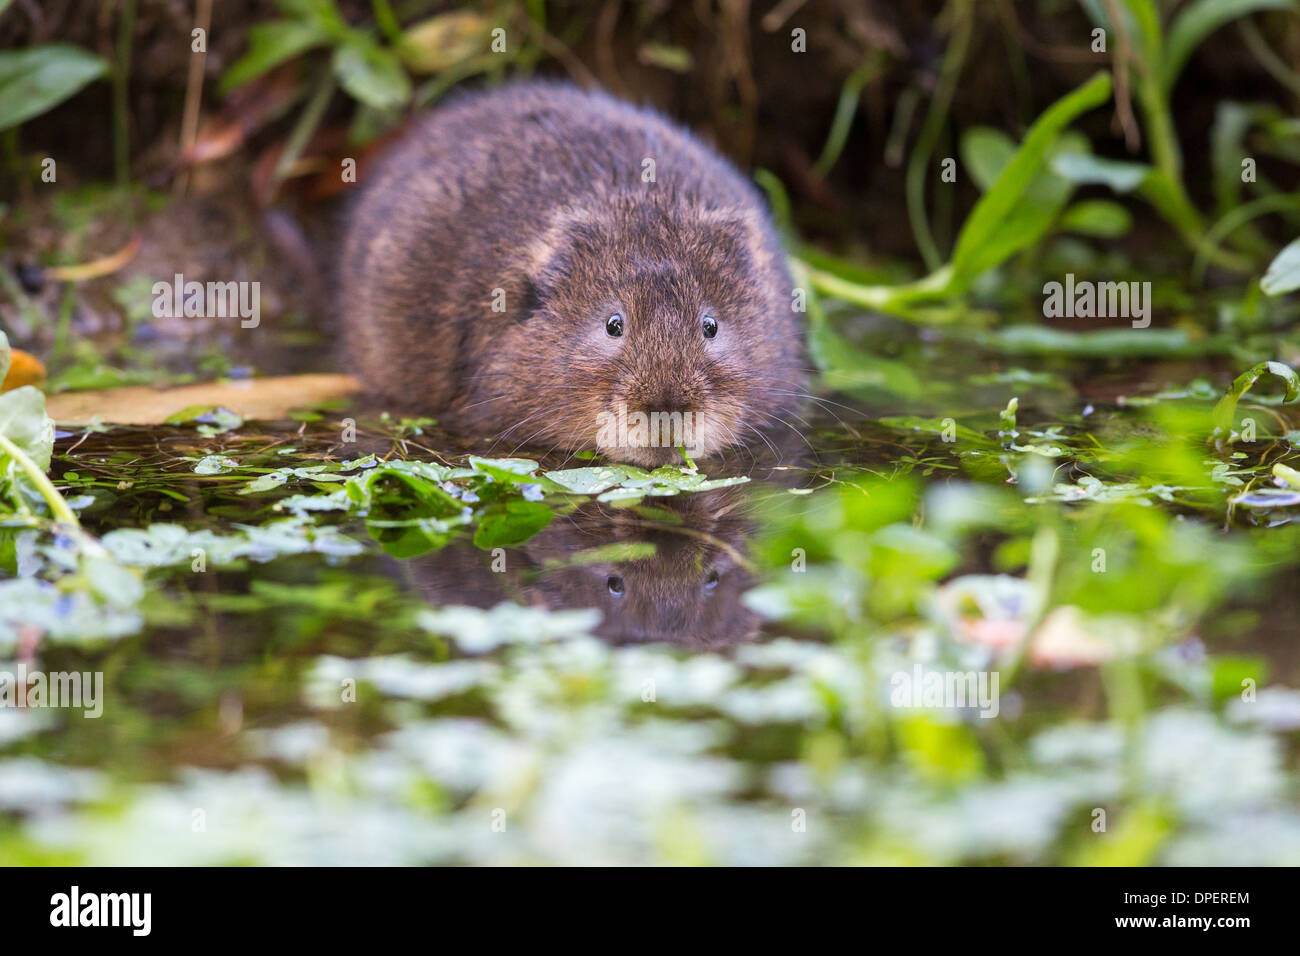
(668, 570)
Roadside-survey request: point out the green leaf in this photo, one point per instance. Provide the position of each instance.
(514, 524)
(985, 239)
(372, 75)
(669, 57)
(1097, 217)
(324, 14)
(940, 426)
(1229, 672)
(211, 419)
(23, 421)
(1041, 201)
(594, 480)
(1198, 21)
(985, 152)
(215, 465)
(269, 45)
(1283, 272)
(1287, 474)
(506, 470)
(35, 80)
(1227, 407)
(1227, 149)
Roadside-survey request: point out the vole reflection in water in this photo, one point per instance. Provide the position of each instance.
(687, 592)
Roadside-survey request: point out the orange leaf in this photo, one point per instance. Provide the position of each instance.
(24, 369)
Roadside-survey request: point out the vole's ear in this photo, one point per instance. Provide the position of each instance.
(554, 254)
(544, 266)
(542, 260)
(530, 298)
(738, 233)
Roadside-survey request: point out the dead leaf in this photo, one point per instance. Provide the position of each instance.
(244, 112)
(104, 266)
(252, 399)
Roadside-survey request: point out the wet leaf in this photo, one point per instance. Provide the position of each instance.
(215, 465)
(514, 524)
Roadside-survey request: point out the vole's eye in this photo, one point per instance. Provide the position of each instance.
(615, 585)
(710, 325)
(614, 326)
(711, 581)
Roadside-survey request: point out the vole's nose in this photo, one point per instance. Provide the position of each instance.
(666, 397)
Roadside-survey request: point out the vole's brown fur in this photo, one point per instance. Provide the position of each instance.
(536, 198)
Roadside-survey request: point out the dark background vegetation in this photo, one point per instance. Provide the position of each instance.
(729, 74)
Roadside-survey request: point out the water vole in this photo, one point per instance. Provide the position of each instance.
(540, 264)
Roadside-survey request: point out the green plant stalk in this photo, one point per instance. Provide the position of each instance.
(1044, 558)
(1160, 132)
(779, 202)
(537, 12)
(435, 88)
(1236, 218)
(1152, 95)
(917, 166)
(823, 343)
(303, 129)
(388, 22)
(58, 505)
(1126, 705)
(886, 298)
(1166, 191)
(844, 112)
(1269, 60)
(121, 106)
(64, 322)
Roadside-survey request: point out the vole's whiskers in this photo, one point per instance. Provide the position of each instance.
(778, 419)
(823, 402)
(501, 437)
